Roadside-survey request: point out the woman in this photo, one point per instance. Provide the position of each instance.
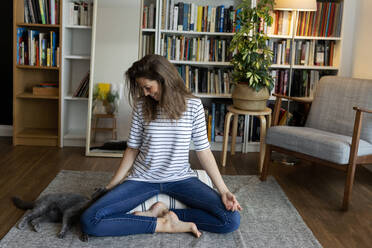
(166, 117)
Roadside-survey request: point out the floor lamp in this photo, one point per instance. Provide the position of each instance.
(295, 6)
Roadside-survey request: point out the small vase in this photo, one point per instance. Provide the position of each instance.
(98, 107)
(110, 107)
(246, 98)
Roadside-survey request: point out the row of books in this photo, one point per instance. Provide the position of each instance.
(281, 51)
(148, 44)
(314, 52)
(281, 81)
(41, 11)
(281, 25)
(148, 20)
(195, 49)
(325, 22)
(309, 53)
(192, 17)
(304, 82)
(81, 12)
(215, 119)
(284, 115)
(37, 48)
(83, 88)
(204, 80)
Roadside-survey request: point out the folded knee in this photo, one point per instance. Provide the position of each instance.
(88, 224)
(232, 221)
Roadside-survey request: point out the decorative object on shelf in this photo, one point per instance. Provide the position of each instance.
(253, 57)
(45, 89)
(105, 99)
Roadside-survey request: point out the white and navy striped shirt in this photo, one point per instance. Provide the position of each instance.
(164, 144)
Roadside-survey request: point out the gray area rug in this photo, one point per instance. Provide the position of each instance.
(268, 219)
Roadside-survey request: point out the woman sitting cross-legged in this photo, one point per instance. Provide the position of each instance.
(166, 118)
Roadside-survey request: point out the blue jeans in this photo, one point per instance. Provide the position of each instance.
(108, 216)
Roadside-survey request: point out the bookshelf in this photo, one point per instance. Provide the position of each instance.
(315, 48)
(35, 118)
(77, 35)
(288, 67)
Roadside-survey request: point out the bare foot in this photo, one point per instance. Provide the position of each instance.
(158, 209)
(171, 224)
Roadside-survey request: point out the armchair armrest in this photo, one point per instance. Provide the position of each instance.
(356, 133)
(297, 99)
(363, 110)
(278, 102)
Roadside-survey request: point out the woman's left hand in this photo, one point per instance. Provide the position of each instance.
(230, 201)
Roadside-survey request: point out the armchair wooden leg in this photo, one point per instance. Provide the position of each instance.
(348, 186)
(266, 165)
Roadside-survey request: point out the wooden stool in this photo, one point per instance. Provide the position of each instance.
(236, 112)
(96, 129)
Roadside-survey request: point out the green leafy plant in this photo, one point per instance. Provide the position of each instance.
(112, 96)
(252, 57)
(109, 100)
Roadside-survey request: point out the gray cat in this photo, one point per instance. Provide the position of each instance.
(65, 207)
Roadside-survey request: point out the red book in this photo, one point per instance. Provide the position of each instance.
(310, 24)
(324, 24)
(37, 53)
(276, 22)
(187, 49)
(331, 53)
(299, 23)
(331, 20)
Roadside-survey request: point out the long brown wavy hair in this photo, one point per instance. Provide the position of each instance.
(173, 93)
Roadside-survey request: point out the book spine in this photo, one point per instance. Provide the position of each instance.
(175, 18)
(180, 16)
(221, 18)
(41, 7)
(171, 15)
(199, 16)
(192, 17)
(185, 24)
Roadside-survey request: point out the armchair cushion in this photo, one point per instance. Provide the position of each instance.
(314, 142)
(332, 108)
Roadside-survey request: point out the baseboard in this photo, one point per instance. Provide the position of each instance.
(6, 130)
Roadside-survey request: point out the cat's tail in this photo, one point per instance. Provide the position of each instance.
(22, 204)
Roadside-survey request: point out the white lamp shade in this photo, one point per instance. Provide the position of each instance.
(299, 5)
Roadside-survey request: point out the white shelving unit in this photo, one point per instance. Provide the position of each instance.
(76, 52)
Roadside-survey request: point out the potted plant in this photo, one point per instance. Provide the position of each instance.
(105, 99)
(252, 56)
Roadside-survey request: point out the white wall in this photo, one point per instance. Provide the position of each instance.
(362, 59)
(350, 13)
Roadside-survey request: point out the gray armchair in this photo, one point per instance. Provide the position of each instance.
(336, 133)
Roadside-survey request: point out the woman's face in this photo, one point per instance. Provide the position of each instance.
(149, 87)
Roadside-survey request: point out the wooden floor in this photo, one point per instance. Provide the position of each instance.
(315, 191)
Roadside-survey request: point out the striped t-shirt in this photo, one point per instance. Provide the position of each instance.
(164, 144)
